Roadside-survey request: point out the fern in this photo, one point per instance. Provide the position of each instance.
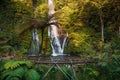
(2, 62)
(14, 64)
(16, 74)
(15, 70)
(19, 72)
(12, 78)
(110, 67)
(39, 69)
(5, 74)
(32, 75)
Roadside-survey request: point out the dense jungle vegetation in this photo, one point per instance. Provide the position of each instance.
(93, 25)
(107, 69)
(94, 31)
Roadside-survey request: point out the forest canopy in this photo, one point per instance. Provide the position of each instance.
(93, 25)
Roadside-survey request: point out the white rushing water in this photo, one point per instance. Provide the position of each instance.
(35, 46)
(57, 44)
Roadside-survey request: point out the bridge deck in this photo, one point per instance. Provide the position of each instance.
(61, 60)
(57, 59)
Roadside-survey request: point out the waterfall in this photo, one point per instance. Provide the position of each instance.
(57, 44)
(64, 42)
(35, 45)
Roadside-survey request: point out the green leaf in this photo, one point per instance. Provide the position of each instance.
(16, 74)
(14, 64)
(5, 74)
(32, 75)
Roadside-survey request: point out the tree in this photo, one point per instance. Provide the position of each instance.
(99, 4)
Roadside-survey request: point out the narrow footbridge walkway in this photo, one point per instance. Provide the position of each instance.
(74, 60)
(59, 61)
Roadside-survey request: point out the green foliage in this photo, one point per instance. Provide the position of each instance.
(14, 64)
(7, 42)
(17, 70)
(109, 67)
(81, 18)
(2, 62)
(68, 72)
(32, 75)
(106, 69)
(39, 69)
(16, 74)
(6, 48)
(87, 72)
(41, 11)
(115, 45)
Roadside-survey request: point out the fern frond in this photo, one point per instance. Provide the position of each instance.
(11, 74)
(8, 64)
(5, 74)
(2, 62)
(12, 78)
(19, 72)
(26, 63)
(14, 64)
(32, 75)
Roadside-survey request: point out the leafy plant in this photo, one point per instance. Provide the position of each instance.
(16, 74)
(32, 75)
(88, 72)
(109, 66)
(14, 64)
(12, 70)
(18, 70)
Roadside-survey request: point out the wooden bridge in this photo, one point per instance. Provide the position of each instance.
(58, 61)
(74, 60)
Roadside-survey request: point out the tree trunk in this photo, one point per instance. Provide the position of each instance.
(102, 26)
(119, 31)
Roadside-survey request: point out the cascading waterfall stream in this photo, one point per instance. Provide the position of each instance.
(64, 42)
(57, 44)
(35, 45)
